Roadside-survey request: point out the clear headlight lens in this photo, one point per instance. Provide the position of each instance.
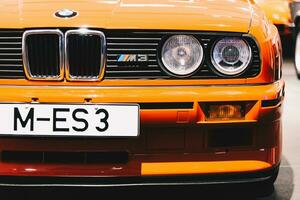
(182, 55)
(231, 56)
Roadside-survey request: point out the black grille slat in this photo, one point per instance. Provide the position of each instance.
(148, 43)
(65, 157)
(84, 55)
(43, 55)
(11, 64)
(133, 44)
(118, 42)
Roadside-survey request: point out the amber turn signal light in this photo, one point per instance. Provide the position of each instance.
(225, 111)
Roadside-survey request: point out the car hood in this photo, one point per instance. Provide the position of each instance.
(207, 15)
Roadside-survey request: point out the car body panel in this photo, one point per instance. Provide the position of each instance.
(122, 14)
(173, 141)
(193, 126)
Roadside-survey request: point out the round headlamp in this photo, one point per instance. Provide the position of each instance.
(182, 55)
(231, 56)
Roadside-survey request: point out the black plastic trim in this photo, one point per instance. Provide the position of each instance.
(271, 103)
(166, 105)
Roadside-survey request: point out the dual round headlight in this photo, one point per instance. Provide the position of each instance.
(231, 56)
(182, 55)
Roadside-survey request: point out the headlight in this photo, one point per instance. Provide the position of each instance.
(231, 56)
(182, 55)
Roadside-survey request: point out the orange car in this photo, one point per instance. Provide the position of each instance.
(279, 13)
(132, 92)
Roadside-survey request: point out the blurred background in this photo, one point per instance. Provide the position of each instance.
(284, 15)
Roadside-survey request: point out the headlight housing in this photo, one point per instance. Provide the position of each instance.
(182, 55)
(231, 56)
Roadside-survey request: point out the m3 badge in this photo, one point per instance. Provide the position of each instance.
(133, 58)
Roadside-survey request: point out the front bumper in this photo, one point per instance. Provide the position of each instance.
(159, 105)
(265, 176)
(174, 137)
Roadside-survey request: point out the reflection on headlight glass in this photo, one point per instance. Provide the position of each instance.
(182, 54)
(231, 56)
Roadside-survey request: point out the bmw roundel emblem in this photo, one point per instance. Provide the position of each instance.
(65, 13)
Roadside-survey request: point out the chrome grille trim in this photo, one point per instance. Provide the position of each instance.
(10, 43)
(127, 49)
(11, 70)
(10, 48)
(132, 38)
(130, 44)
(27, 69)
(13, 65)
(10, 54)
(97, 77)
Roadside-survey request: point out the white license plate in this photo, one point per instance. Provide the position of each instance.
(119, 120)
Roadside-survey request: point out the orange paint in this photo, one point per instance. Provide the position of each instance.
(176, 168)
(187, 152)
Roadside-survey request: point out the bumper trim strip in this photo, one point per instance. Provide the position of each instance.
(169, 168)
(166, 105)
(271, 103)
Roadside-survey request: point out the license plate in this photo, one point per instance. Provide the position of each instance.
(98, 120)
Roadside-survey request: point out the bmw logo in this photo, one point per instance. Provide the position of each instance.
(65, 13)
